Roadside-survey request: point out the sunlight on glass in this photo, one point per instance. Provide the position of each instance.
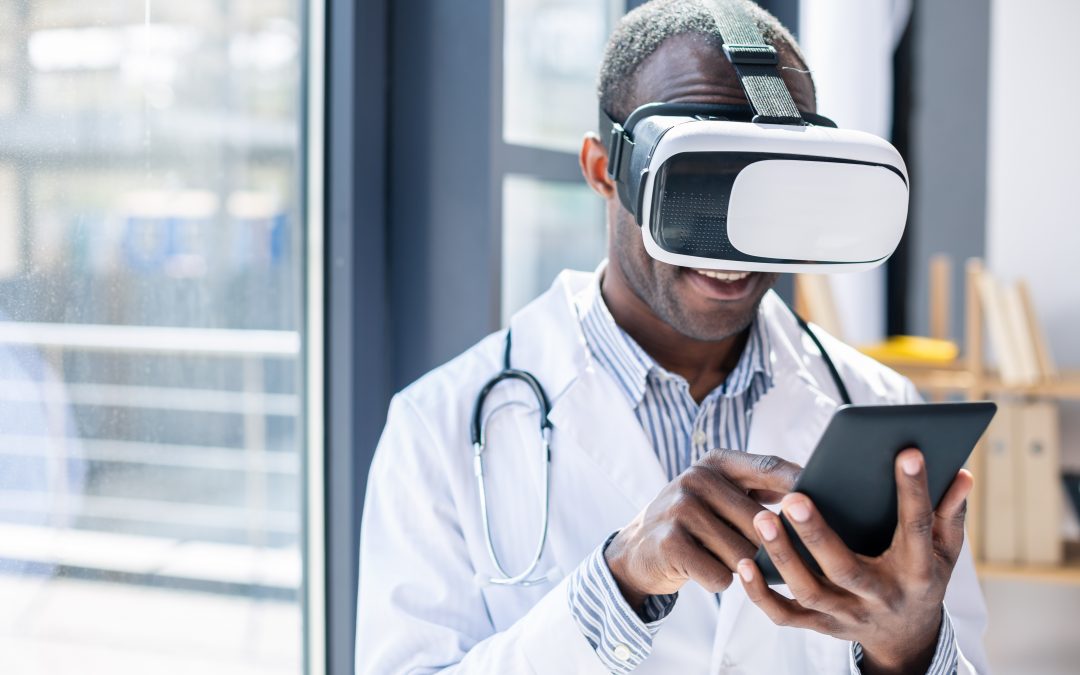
(551, 51)
(547, 227)
(150, 315)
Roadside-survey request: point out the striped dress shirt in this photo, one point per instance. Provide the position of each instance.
(680, 431)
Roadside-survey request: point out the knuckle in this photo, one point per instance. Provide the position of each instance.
(670, 546)
(946, 552)
(721, 583)
(960, 516)
(812, 536)
(694, 479)
(781, 557)
(716, 459)
(812, 598)
(683, 504)
(922, 524)
(859, 615)
(852, 575)
(766, 464)
(782, 617)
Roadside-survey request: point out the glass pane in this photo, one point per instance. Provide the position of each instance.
(150, 315)
(547, 227)
(551, 57)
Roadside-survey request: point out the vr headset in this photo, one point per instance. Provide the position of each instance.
(760, 187)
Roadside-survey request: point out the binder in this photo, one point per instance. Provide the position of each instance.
(976, 503)
(1001, 496)
(1047, 368)
(1040, 481)
(1023, 341)
(1002, 336)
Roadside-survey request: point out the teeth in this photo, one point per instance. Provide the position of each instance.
(723, 276)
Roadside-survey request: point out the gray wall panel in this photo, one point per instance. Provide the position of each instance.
(443, 244)
(949, 134)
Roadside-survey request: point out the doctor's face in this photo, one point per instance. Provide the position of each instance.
(711, 306)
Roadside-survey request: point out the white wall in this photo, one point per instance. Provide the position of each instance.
(849, 46)
(1033, 180)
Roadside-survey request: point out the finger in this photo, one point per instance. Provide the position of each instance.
(915, 513)
(724, 499)
(780, 610)
(693, 561)
(723, 541)
(765, 497)
(949, 517)
(753, 472)
(804, 584)
(839, 563)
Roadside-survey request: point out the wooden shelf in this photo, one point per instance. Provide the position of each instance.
(956, 378)
(1069, 573)
(1064, 388)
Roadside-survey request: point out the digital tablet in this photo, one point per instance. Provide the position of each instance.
(851, 476)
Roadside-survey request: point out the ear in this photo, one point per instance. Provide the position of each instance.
(594, 159)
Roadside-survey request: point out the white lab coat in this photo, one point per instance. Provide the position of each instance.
(424, 604)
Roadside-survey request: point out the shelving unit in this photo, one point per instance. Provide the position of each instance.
(1069, 573)
(968, 377)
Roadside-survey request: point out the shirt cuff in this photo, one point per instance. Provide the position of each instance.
(946, 654)
(622, 639)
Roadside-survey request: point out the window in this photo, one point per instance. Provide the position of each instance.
(551, 219)
(151, 242)
(548, 226)
(552, 50)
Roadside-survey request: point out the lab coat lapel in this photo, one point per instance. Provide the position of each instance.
(600, 454)
(595, 419)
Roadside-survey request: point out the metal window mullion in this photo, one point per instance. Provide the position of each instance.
(313, 532)
(541, 163)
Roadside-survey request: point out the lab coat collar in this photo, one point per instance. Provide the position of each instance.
(589, 407)
(589, 411)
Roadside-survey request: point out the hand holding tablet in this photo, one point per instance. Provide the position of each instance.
(869, 536)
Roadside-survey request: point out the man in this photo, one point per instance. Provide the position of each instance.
(680, 402)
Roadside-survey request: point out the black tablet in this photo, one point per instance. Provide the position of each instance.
(851, 479)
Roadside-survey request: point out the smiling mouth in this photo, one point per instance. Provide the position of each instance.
(723, 276)
(721, 285)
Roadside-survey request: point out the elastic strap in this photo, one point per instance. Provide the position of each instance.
(756, 63)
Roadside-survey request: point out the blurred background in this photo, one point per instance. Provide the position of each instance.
(231, 229)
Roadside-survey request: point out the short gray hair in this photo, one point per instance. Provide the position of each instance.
(643, 30)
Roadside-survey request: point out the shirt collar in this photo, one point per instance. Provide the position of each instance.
(630, 365)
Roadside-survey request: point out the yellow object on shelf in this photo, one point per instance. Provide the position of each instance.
(913, 349)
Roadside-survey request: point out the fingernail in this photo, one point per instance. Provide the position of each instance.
(910, 465)
(746, 570)
(798, 511)
(767, 528)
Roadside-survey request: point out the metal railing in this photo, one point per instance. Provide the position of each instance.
(55, 504)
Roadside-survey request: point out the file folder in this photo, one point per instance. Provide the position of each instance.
(1001, 495)
(1040, 470)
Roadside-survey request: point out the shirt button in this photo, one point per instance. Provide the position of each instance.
(699, 438)
(621, 652)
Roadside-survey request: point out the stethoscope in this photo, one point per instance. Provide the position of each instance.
(478, 433)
